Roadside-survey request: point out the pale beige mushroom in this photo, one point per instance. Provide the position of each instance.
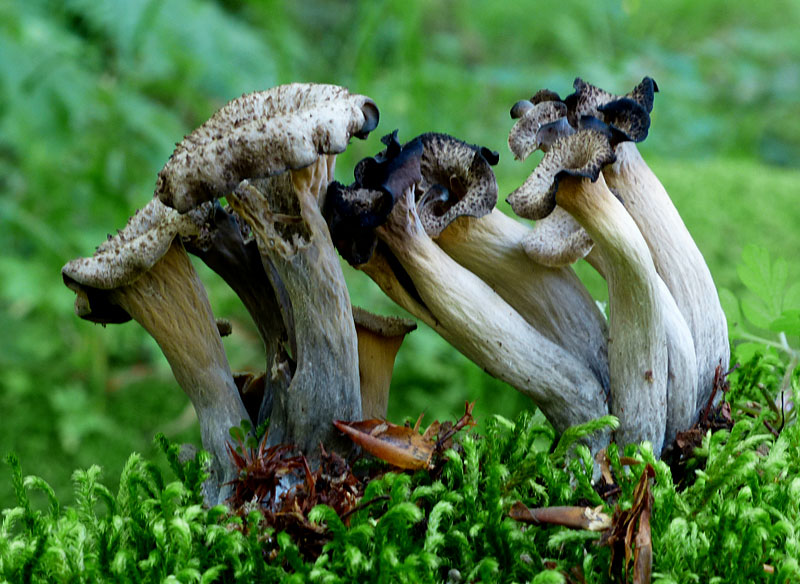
(379, 339)
(144, 273)
(421, 277)
(457, 209)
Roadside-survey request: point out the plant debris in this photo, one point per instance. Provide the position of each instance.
(403, 446)
(630, 536)
(592, 519)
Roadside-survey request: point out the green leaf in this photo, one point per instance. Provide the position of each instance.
(788, 322)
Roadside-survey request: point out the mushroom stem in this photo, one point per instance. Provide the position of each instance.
(677, 259)
(682, 363)
(284, 215)
(552, 300)
(637, 351)
(239, 264)
(169, 301)
(379, 339)
(481, 325)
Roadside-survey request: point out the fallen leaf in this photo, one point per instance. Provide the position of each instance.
(589, 518)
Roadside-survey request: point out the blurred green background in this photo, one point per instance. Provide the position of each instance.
(94, 94)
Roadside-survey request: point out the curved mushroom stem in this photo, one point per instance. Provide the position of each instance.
(284, 215)
(239, 264)
(682, 364)
(637, 351)
(169, 301)
(552, 300)
(480, 324)
(677, 259)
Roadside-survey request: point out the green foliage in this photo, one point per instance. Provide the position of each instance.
(93, 96)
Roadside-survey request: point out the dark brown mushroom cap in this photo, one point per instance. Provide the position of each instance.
(628, 113)
(386, 326)
(353, 212)
(582, 154)
(539, 125)
(462, 179)
(263, 134)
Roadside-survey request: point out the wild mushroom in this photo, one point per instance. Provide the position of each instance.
(379, 338)
(144, 273)
(457, 209)
(676, 256)
(272, 155)
(473, 318)
(557, 240)
(569, 176)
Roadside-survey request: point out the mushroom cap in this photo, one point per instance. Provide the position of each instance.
(353, 212)
(628, 113)
(582, 154)
(260, 135)
(538, 125)
(461, 178)
(122, 259)
(385, 326)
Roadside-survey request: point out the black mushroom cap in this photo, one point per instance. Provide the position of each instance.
(627, 113)
(583, 154)
(353, 212)
(538, 126)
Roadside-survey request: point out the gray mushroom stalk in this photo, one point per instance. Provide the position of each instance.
(143, 273)
(557, 239)
(272, 154)
(676, 256)
(569, 176)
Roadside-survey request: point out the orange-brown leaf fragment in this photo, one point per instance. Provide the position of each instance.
(400, 446)
(589, 518)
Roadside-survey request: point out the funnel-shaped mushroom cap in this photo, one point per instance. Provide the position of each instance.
(122, 259)
(628, 113)
(353, 212)
(539, 125)
(461, 179)
(582, 154)
(260, 135)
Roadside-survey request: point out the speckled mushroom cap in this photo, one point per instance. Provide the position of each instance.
(263, 134)
(537, 127)
(627, 113)
(582, 154)
(123, 258)
(460, 176)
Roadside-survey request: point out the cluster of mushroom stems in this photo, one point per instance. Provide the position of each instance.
(420, 219)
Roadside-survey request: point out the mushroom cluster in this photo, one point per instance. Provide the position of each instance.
(420, 220)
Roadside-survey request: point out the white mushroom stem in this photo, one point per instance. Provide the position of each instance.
(482, 326)
(284, 215)
(169, 301)
(637, 349)
(682, 363)
(677, 259)
(552, 300)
